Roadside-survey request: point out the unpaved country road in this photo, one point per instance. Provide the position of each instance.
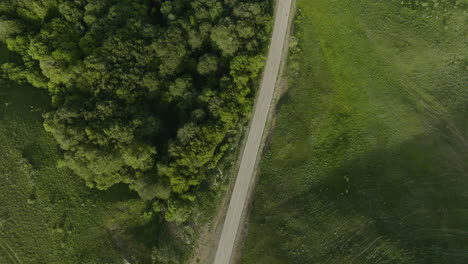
(254, 139)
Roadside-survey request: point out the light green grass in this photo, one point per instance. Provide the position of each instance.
(369, 159)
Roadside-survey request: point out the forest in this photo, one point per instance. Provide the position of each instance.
(147, 93)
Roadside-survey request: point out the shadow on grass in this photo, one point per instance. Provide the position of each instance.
(401, 205)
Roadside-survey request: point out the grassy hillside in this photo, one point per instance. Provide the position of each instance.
(369, 159)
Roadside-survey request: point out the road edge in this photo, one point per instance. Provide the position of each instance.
(281, 88)
(266, 99)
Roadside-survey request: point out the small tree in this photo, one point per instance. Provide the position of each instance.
(9, 28)
(207, 64)
(178, 211)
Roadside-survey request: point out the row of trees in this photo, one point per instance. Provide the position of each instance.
(145, 92)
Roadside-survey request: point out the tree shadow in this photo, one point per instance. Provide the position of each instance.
(402, 205)
(116, 193)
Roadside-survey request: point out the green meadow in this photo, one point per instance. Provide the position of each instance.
(368, 162)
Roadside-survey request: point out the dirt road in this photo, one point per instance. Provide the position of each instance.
(254, 139)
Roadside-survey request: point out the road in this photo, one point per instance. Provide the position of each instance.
(254, 139)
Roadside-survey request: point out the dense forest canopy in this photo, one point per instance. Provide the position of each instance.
(145, 92)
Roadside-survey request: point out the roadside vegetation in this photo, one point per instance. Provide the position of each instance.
(368, 159)
(118, 123)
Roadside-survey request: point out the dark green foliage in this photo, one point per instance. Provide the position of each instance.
(207, 64)
(9, 28)
(145, 92)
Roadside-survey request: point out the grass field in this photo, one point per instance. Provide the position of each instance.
(368, 162)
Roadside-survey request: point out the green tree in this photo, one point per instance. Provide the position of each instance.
(177, 211)
(225, 38)
(207, 64)
(9, 28)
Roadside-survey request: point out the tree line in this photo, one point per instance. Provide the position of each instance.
(145, 92)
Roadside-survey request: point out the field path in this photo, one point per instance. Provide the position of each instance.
(245, 175)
